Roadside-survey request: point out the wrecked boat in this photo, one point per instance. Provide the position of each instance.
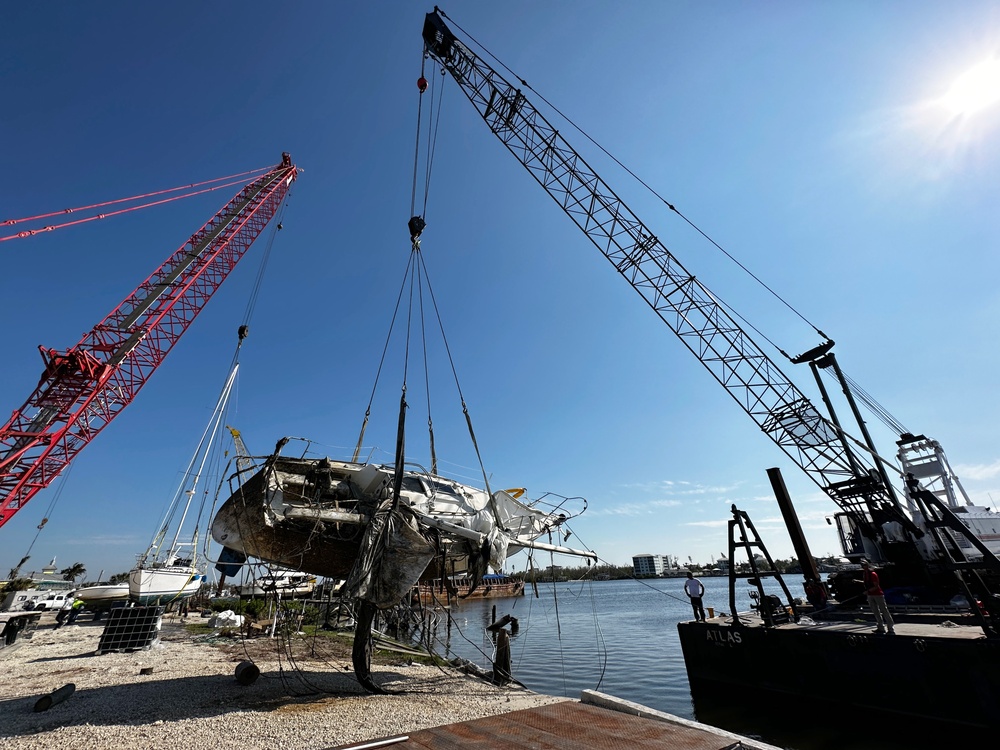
(378, 527)
(311, 514)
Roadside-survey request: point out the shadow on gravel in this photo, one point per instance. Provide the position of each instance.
(84, 655)
(158, 698)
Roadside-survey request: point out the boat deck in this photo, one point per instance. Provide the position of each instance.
(929, 627)
(571, 725)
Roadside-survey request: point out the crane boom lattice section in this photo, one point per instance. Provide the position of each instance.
(677, 297)
(83, 389)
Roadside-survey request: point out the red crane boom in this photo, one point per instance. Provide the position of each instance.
(81, 390)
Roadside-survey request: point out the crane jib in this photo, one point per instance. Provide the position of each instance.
(830, 457)
(83, 389)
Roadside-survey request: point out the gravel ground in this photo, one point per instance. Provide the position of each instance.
(191, 699)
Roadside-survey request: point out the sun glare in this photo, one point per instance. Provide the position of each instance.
(975, 90)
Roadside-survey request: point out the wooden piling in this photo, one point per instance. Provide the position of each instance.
(501, 663)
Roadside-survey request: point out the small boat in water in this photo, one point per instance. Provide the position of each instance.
(493, 586)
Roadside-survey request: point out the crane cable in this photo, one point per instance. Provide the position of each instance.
(45, 519)
(230, 181)
(418, 277)
(432, 133)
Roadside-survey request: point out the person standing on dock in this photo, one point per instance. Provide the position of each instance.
(876, 600)
(695, 590)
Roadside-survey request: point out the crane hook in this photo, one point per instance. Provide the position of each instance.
(422, 84)
(416, 225)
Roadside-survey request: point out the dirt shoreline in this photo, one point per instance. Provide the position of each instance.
(304, 700)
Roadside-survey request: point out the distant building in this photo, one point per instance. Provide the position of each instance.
(648, 565)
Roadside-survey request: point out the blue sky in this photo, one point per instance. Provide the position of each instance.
(808, 139)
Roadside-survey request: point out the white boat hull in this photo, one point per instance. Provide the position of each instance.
(163, 585)
(284, 584)
(106, 594)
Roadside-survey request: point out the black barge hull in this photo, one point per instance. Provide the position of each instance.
(952, 678)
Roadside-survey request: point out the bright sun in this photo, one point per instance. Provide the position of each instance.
(974, 90)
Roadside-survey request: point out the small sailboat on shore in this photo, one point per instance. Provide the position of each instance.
(174, 571)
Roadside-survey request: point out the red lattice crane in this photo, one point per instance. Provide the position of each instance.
(81, 390)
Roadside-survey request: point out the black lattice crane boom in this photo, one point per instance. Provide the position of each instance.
(845, 468)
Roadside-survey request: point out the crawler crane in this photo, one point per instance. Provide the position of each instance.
(82, 389)
(920, 535)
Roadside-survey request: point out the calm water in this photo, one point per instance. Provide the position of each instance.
(620, 637)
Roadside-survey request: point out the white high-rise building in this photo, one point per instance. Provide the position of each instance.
(647, 565)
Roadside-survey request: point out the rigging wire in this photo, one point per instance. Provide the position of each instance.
(96, 217)
(11, 222)
(422, 86)
(458, 387)
(381, 363)
(432, 139)
(427, 379)
(869, 401)
(45, 519)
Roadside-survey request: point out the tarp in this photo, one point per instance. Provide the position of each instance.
(393, 556)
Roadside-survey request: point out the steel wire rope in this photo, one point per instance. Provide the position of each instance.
(461, 632)
(529, 565)
(381, 363)
(876, 408)
(637, 178)
(96, 217)
(45, 518)
(416, 145)
(431, 149)
(12, 222)
(204, 449)
(276, 224)
(523, 642)
(869, 401)
(458, 387)
(241, 335)
(873, 405)
(432, 134)
(217, 453)
(598, 632)
(427, 377)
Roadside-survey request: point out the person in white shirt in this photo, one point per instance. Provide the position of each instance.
(695, 590)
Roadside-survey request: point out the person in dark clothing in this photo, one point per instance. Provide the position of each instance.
(64, 611)
(695, 590)
(75, 611)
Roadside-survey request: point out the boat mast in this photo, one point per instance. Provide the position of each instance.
(213, 425)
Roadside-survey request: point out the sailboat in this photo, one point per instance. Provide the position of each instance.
(170, 572)
(312, 514)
